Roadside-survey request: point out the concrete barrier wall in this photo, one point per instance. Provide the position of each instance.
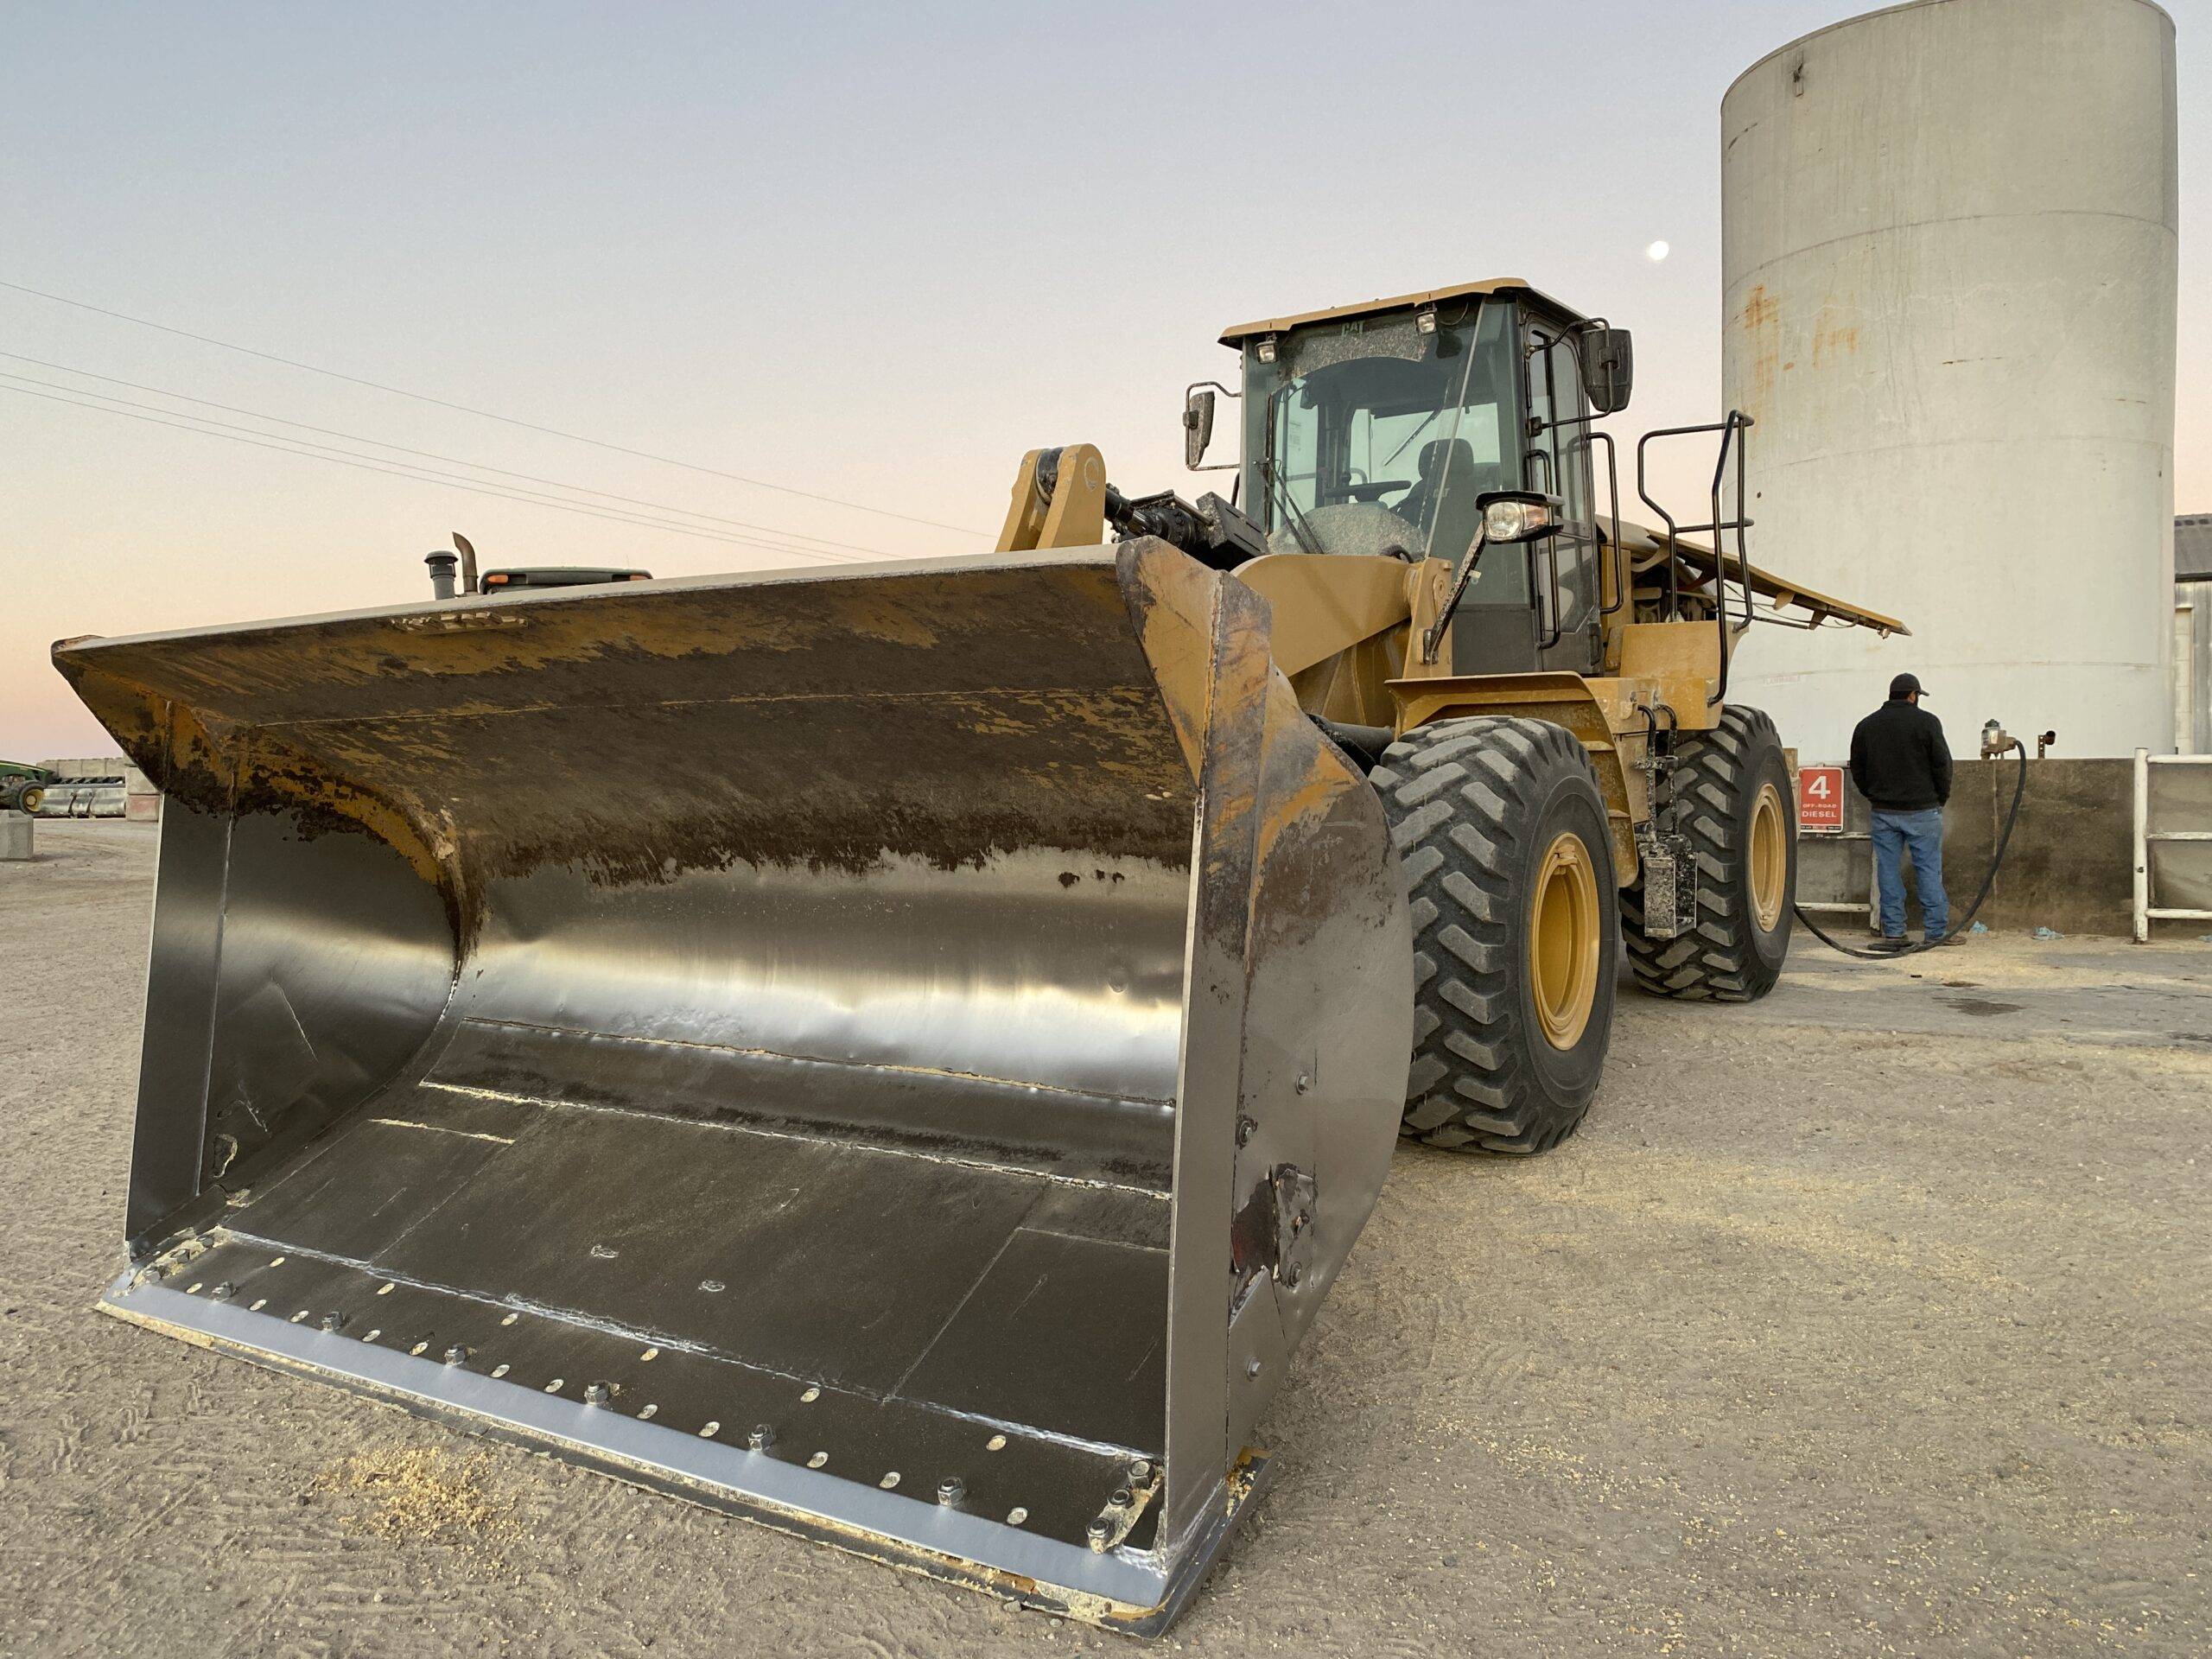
(135, 797)
(2069, 865)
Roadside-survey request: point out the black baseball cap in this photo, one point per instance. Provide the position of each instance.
(1905, 685)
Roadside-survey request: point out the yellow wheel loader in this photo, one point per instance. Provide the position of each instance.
(901, 1053)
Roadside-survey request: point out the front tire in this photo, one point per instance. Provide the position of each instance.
(1733, 801)
(1502, 836)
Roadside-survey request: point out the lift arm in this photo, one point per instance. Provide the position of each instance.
(1061, 499)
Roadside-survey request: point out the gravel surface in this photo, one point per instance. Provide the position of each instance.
(1870, 1319)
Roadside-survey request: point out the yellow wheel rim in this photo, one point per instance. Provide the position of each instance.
(1564, 946)
(1770, 857)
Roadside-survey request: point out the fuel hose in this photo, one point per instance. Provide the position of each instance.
(1996, 860)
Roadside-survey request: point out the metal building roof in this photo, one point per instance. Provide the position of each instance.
(2193, 547)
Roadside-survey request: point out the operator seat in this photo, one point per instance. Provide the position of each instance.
(1447, 494)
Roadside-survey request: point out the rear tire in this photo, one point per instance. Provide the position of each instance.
(1733, 801)
(1508, 859)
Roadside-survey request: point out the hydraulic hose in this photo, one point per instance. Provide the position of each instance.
(1996, 859)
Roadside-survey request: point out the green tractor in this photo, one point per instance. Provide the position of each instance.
(23, 786)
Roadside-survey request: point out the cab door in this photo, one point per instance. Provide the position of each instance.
(1563, 572)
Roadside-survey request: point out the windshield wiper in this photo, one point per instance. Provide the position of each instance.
(1292, 516)
(1428, 420)
(1278, 489)
(1475, 314)
(1450, 448)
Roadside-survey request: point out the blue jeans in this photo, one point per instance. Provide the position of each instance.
(1922, 832)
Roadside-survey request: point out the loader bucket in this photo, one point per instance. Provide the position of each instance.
(901, 1054)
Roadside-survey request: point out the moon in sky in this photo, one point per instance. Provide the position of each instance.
(1657, 252)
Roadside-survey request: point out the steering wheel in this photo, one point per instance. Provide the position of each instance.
(1378, 489)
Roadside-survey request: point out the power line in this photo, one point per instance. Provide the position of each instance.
(407, 470)
(483, 414)
(286, 447)
(792, 536)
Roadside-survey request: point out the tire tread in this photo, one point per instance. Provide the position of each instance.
(1717, 963)
(1459, 797)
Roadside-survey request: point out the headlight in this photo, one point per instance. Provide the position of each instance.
(1519, 519)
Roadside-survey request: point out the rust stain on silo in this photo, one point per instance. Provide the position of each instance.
(1762, 321)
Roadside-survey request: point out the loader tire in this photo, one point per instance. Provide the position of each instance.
(1733, 801)
(1502, 833)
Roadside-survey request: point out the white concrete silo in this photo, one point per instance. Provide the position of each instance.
(1949, 236)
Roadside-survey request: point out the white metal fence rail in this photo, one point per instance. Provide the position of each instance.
(2146, 837)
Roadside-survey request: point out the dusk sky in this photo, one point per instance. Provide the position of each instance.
(866, 252)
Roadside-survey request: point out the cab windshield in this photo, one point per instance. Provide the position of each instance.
(1378, 437)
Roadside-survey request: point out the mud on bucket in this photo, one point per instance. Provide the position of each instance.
(899, 1054)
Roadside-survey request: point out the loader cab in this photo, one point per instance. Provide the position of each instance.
(1370, 431)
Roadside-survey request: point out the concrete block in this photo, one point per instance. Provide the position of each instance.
(2071, 865)
(15, 834)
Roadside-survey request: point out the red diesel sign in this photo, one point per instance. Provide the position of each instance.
(1819, 799)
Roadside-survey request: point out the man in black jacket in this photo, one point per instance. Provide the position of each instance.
(1903, 766)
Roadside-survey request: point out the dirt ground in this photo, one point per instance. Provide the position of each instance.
(1870, 1319)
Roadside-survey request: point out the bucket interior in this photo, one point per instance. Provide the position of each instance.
(777, 1046)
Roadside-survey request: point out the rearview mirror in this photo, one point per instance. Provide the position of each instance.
(1608, 368)
(1198, 425)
